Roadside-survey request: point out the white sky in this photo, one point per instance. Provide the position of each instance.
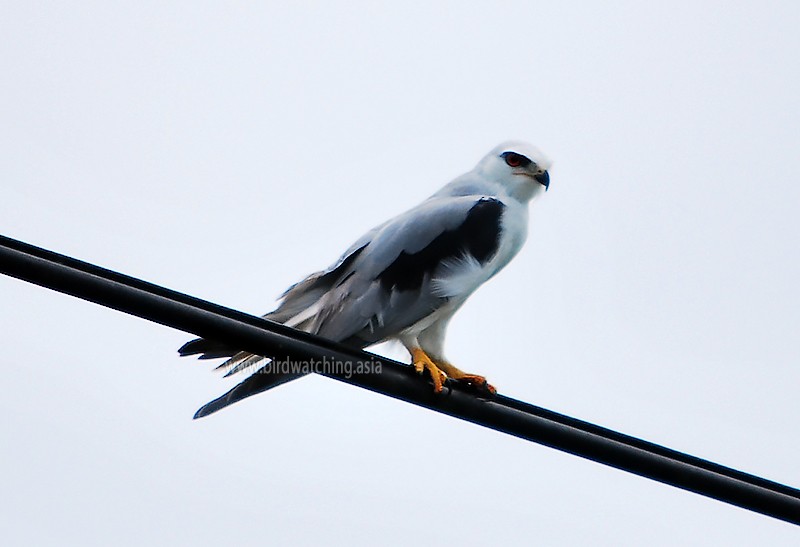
(228, 149)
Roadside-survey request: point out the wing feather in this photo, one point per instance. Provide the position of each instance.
(387, 281)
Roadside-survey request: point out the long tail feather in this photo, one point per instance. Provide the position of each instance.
(258, 382)
(209, 349)
(248, 361)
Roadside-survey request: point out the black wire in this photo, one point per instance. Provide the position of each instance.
(257, 335)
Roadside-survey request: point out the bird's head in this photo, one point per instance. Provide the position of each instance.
(519, 168)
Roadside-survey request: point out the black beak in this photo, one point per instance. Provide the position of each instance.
(543, 179)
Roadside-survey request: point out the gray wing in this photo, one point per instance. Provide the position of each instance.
(294, 300)
(380, 286)
(388, 284)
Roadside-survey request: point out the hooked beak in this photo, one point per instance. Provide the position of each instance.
(543, 179)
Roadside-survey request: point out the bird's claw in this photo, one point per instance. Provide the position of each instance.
(422, 362)
(478, 382)
(442, 371)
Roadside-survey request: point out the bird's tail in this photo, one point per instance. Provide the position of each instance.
(299, 309)
(261, 380)
(264, 377)
(210, 349)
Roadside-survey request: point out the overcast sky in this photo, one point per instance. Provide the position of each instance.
(226, 150)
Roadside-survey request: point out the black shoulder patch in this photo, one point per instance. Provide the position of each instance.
(478, 235)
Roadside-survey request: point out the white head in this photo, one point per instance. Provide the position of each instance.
(518, 167)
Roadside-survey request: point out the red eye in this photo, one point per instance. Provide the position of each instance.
(516, 160)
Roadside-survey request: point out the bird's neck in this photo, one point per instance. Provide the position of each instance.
(526, 191)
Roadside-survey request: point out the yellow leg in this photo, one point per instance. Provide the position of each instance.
(441, 370)
(422, 362)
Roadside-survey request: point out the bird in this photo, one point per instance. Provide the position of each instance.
(405, 279)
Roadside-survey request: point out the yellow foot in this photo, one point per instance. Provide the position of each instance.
(422, 362)
(441, 370)
(461, 376)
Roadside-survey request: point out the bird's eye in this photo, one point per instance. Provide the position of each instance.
(516, 160)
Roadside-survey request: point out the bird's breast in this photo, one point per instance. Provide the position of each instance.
(513, 233)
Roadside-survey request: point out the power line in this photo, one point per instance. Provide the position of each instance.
(262, 337)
